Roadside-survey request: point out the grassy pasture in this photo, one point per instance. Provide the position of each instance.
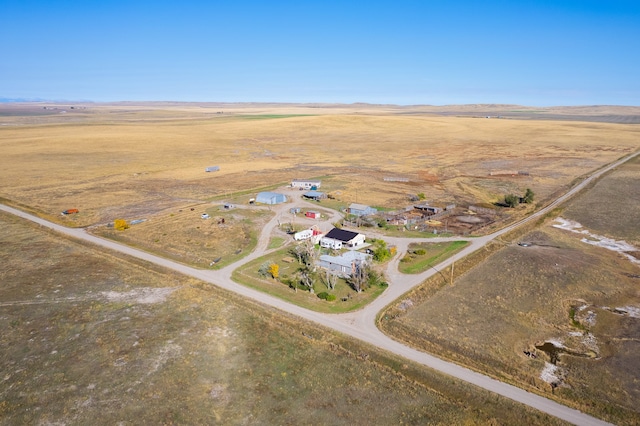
(93, 335)
(118, 160)
(183, 235)
(434, 253)
(269, 116)
(610, 207)
(560, 289)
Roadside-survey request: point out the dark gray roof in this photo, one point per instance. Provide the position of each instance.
(341, 235)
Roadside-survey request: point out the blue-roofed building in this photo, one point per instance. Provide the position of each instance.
(314, 195)
(361, 210)
(271, 198)
(345, 264)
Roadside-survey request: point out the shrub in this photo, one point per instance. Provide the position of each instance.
(420, 252)
(274, 270)
(326, 296)
(511, 200)
(120, 224)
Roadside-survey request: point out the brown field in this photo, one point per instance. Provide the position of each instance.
(610, 207)
(91, 336)
(112, 161)
(556, 289)
(223, 238)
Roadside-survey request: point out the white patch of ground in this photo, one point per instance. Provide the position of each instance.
(621, 246)
(219, 332)
(590, 342)
(169, 351)
(550, 373)
(140, 295)
(556, 343)
(632, 311)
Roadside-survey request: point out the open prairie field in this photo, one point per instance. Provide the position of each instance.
(182, 234)
(559, 313)
(611, 207)
(126, 160)
(90, 335)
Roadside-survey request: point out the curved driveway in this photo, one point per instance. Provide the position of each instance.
(361, 324)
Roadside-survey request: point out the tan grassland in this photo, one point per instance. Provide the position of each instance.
(128, 161)
(555, 289)
(94, 337)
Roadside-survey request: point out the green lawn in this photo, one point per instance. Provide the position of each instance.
(248, 275)
(415, 262)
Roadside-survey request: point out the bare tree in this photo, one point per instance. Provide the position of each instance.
(304, 253)
(330, 279)
(306, 279)
(359, 278)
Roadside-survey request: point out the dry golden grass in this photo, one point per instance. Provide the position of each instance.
(110, 160)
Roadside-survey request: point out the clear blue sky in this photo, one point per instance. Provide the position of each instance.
(539, 53)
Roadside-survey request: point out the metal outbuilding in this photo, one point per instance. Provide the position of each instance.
(271, 198)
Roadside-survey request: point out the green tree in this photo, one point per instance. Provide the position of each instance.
(380, 253)
(528, 196)
(511, 200)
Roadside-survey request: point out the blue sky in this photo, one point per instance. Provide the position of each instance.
(538, 53)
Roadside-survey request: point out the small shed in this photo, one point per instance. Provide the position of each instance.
(427, 210)
(314, 195)
(361, 209)
(212, 169)
(312, 215)
(271, 198)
